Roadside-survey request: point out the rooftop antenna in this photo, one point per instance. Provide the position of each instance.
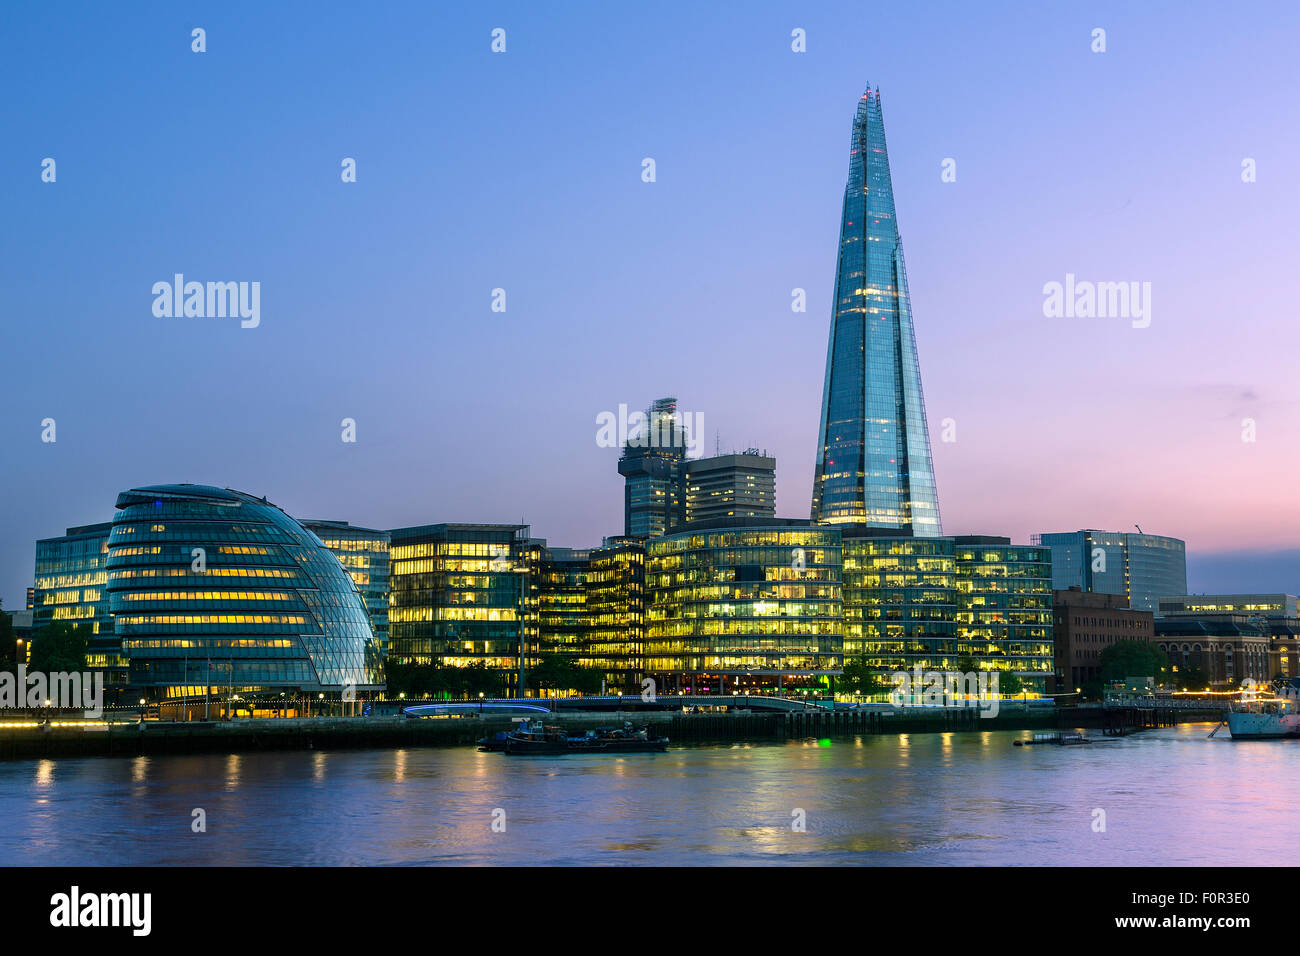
(1139, 527)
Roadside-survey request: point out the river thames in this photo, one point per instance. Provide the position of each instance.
(1169, 797)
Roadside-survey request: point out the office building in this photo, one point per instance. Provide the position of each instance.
(616, 608)
(463, 595)
(729, 486)
(1140, 567)
(900, 601)
(21, 622)
(71, 576)
(651, 467)
(563, 621)
(735, 606)
(873, 467)
(1270, 606)
(1004, 608)
(363, 552)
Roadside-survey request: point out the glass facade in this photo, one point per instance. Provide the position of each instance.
(363, 552)
(874, 466)
(563, 621)
(940, 601)
(738, 607)
(71, 581)
(1142, 567)
(616, 608)
(900, 601)
(212, 588)
(1004, 608)
(463, 594)
(591, 610)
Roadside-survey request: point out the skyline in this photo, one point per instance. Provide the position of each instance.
(375, 302)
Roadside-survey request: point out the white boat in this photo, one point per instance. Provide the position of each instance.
(1267, 715)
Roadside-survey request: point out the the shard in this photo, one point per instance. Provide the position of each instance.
(873, 455)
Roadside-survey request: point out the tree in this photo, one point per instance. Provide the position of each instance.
(560, 673)
(8, 643)
(1133, 659)
(60, 647)
(1009, 684)
(1192, 677)
(863, 678)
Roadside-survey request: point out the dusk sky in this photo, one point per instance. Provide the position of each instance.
(523, 171)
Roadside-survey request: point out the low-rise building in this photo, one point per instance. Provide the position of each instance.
(1282, 606)
(1085, 623)
(1221, 649)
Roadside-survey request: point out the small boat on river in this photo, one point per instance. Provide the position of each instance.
(536, 738)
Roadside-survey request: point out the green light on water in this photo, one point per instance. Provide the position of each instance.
(824, 742)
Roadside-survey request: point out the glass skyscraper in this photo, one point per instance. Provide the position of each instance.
(873, 450)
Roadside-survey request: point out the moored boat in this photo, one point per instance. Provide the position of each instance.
(535, 738)
(494, 744)
(1059, 739)
(1271, 714)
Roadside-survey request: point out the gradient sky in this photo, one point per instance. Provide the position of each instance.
(523, 171)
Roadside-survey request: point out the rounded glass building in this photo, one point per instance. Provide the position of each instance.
(210, 587)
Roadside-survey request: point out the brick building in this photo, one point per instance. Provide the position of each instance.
(1085, 623)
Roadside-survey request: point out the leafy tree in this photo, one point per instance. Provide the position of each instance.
(8, 645)
(1133, 659)
(561, 673)
(1192, 677)
(60, 647)
(861, 677)
(1009, 684)
(478, 678)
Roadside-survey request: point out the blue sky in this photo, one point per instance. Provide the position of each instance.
(522, 171)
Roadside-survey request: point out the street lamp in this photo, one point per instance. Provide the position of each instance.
(480, 703)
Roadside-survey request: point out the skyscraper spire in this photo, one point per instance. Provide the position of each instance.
(873, 451)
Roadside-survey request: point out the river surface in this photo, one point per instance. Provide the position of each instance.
(1169, 797)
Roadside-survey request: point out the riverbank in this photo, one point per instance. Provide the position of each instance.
(328, 733)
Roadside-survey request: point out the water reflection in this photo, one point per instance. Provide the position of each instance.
(1170, 797)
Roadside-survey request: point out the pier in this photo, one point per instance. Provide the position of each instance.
(699, 720)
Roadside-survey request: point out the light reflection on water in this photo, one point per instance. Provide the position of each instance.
(1170, 796)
